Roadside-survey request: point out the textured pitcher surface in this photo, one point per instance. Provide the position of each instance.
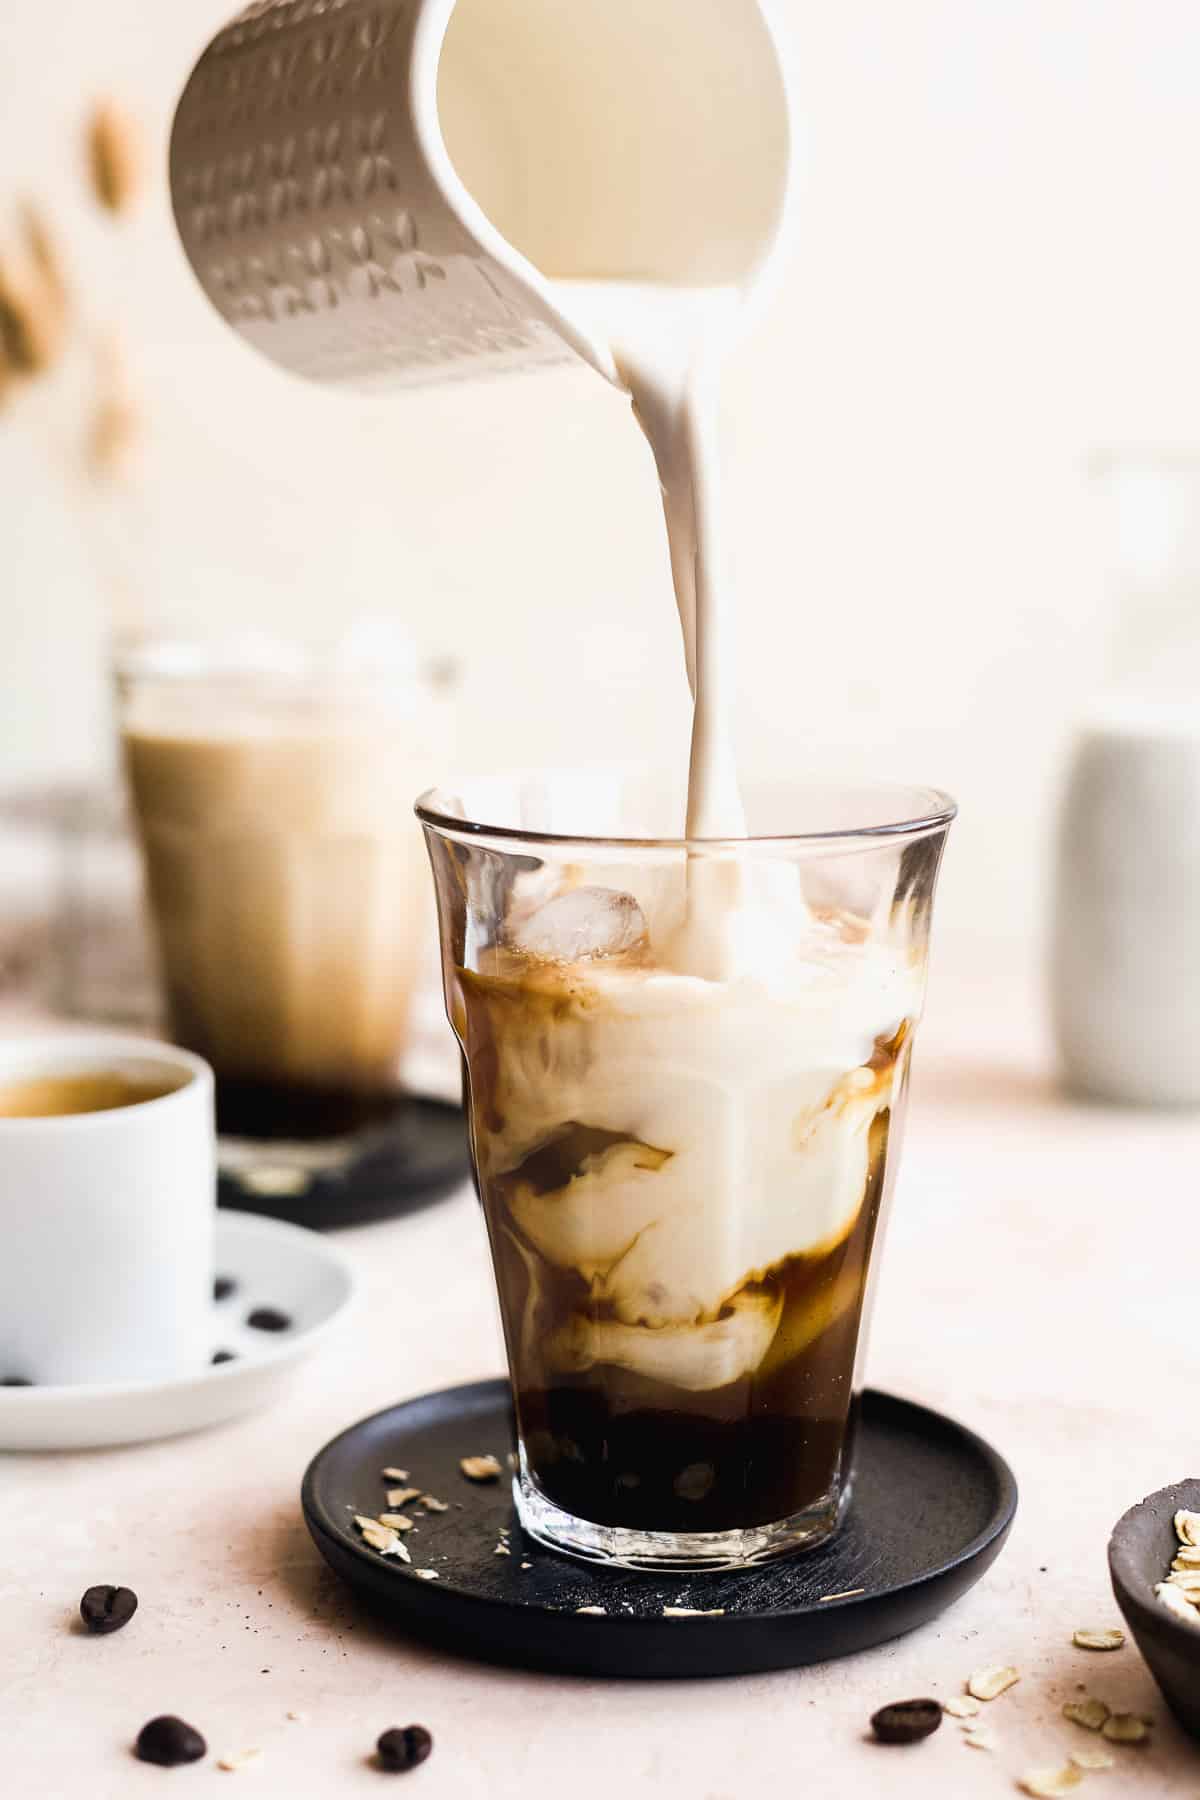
(307, 205)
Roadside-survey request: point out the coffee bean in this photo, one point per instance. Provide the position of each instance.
(906, 1721)
(266, 1318)
(15, 1381)
(402, 1750)
(223, 1286)
(169, 1742)
(220, 1356)
(105, 1609)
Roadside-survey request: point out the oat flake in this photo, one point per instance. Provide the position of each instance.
(1089, 1713)
(989, 1684)
(1126, 1728)
(480, 1468)
(1111, 1639)
(1045, 1783)
(240, 1759)
(1092, 1759)
(1187, 1528)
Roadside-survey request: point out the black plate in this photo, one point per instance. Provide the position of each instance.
(413, 1160)
(932, 1507)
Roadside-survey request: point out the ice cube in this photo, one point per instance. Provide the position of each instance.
(584, 922)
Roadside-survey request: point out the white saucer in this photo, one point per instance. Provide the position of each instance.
(296, 1272)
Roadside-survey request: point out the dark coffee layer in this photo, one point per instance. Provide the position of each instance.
(277, 1110)
(653, 1469)
(618, 1447)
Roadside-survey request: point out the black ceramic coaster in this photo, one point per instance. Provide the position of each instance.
(932, 1507)
(416, 1157)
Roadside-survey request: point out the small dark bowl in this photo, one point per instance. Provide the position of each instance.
(1140, 1552)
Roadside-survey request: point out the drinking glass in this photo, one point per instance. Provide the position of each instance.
(685, 1073)
(284, 872)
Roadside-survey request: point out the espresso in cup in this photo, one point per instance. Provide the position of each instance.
(96, 1090)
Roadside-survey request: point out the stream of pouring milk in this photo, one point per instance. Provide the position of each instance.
(668, 343)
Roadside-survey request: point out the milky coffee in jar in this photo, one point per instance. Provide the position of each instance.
(284, 879)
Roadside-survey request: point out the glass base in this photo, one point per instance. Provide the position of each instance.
(624, 1548)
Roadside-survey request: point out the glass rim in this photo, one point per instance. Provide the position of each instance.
(938, 811)
(180, 662)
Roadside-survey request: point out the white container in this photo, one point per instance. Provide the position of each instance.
(1125, 954)
(106, 1219)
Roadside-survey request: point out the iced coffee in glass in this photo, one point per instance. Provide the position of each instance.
(686, 1067)
(286, 880)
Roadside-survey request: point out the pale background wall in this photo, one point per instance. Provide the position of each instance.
(997, 273)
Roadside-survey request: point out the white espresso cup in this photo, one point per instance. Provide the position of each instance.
(107, 1198)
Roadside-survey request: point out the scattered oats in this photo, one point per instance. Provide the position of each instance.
(396, 1521)
(395, 1474)
(961, 1707)
(426, 1574)
(401, 1496)
(115, 153)
(1176, 1601)
(981, 1739)
(1187, 1528)
(597, 1612)
(502, 1550)
(1090, 1713)
(1126, 1728)
(480, 1468)
(32, 320)
(1111, 1639)
(301, 1718)
(1092, 1759)
(989, 1684)
(240, 1759)
(381, 1537)
(692, 1612)
(527, 1565)
(43, 252)
(1048, 1782)
(846, 1594)
(115, 430)
(432, 1505)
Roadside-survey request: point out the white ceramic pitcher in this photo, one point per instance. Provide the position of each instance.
(318, 202)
